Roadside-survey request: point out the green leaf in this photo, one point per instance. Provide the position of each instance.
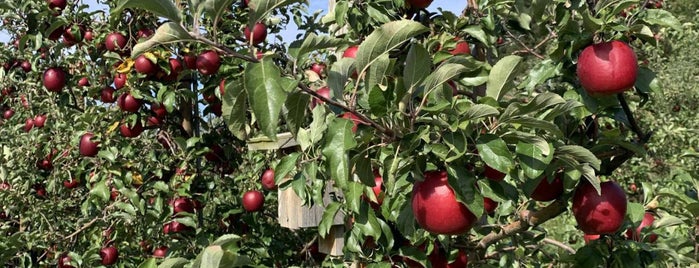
(532, 159)
(235, 109)
(312, 42)
(384, 39)
(174, 263)
(296, 105)
(328, 218)
(417, 66)
(100, 191)
(354, 196)
(337, 144)
(647, 82)
(149, 263)
(214, 9)
(211, 256)
(661, 17)
(259, 9)
(265, 95)
(579, 153)
(537, 124)
(378, 101)
(544, 71)
(501, 75)
(169, 32)
(479, 111)
(161, 8)
(377, 71)
(338, 75)
(494, 152)
(443, 74)
(286, 165)
(367, 222)
(635, 211)
(476, 31)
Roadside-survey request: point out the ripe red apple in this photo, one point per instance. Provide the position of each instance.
(493, 174)
(461, 48)
(323, 91)
(590, 237)
(83, 82)
(435, 206)
(39, 189)
(89, 36)
(44, 164)
(419, 4)
(318, 68)
(182, 204)
(8, 114)
(190, 61)
(119, 80)
(54, 79)
(4, 186)
(175, 70)
(647, 221)
(107, 94)
(159, 110)
(58, 5)
(257, 35)
(253, 201)
(109, 255)
(131, 131)
(267, 180)
(160, 252)
(70, 184)
(355, 120)
(461, 260)
(217, 109)
(145, 66)
(115, 42)
(216, 154)
(489, 205)
(350, 52)
(547, 191)
(40, 120)
(208, 62)
(70, 38)
(128, 103)
(174, 227)
(378, 187)
(607, 68)
(64, 261)
(26, 66)
(144, 33)
(28, 125)
(210, 98)
(599, 214)
(87, 147)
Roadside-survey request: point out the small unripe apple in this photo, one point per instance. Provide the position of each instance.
(107, 94)
(607, 68)
(253, 201)
(267, 180)
(547, 191)
(145, 66)
(258, 33)
(599, 214)
(109, 255)
(119, 80)
(435, 206)
(128, 103)
(88, 147)
(54, 79)
(208, 62)
(115, 42)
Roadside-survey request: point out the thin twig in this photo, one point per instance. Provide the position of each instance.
(629, 116)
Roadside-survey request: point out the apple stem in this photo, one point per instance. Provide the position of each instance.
(632, 121)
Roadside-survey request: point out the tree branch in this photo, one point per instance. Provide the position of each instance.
(528, 219)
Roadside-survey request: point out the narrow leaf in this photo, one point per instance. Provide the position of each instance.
(501, 75)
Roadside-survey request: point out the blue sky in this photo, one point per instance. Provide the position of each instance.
(451, 5)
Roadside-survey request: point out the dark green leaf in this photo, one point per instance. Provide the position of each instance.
(417, 66)
(328, 218)
(384, 39)
(265, 95)
(494, 152)
(235, 109)
(296, 106)
(337, 144)
(501, 75)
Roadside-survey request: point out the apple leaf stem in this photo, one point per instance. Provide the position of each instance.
(528, 219)
(387, 132)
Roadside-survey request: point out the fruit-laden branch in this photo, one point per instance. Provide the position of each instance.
(387, 132)
(528, 219)
(223, 48)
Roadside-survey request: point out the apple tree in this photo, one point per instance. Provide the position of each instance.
(449, 139)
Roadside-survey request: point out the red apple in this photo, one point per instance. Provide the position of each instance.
(8, 114)
(257, 35)
(489, 205)
(355, 120)
(350, 52)
(83, 82)
(144, 33)
(115, 42)
(39, 189)
(607, 68)
(159, 110)
(109, 255)
(222, 87)
(40, 120)
(435, 206)
(70, 38)
(145, 66)
(160, 252)
(131, 131)
(177, 227)
(54, 79)
(419, 4)
(378, 187)
(590, 237)
(216, 154)
(208, 62)
(89, 36)
(58, 5)
(107, 94)
(88, 147)
(182, 204)
(4, 186)
(323, 91)
(44, 164)
(128, 103)
(599, 214)
(253, 201)
(647, 221)
(493, 174)
(64, 261)
(190, 61)
(175, 70)
(461, 48)
(461, 260)
(119, 80)
(28, 125)
(217, 109)
(547, 191)
(318, 68)
(26, 66)
(267, 180)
